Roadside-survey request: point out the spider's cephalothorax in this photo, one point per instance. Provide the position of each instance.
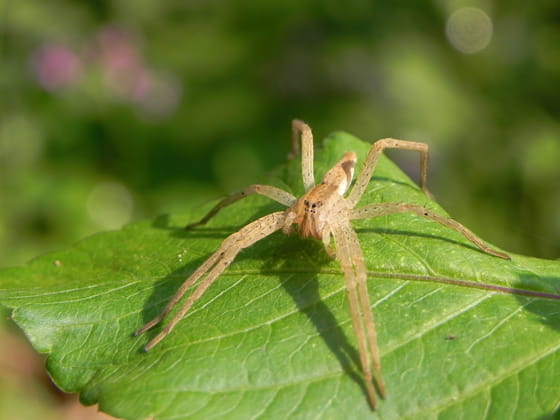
(325, 214)
(313, 212)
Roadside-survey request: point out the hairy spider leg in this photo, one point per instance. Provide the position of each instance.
(349, 254)
(381, 209)
(212, 268)
(301, 129)
(371, 162)
(276, 194)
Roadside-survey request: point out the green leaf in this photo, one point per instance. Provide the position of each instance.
(272, 337)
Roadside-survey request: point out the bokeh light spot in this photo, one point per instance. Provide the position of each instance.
(469, 30)
(110, 205)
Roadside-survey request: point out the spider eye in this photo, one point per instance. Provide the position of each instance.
(311, 207)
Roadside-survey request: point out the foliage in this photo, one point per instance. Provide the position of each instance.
(178, 102)
(272, 337)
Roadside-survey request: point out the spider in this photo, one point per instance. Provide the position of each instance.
(323, 213)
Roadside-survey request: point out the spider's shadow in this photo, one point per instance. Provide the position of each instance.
(302, 288)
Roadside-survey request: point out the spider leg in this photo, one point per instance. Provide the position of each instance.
(371, 162)
(326, 239)
(301, 129)
(380, 209)
(349, 254)
(276, 194)
(199, 272)
(212, 268)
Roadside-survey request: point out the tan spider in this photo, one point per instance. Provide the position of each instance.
(322, 213)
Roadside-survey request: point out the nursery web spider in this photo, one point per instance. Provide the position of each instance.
(323, 213)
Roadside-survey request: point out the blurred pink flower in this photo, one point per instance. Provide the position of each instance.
(122, 65)
(127, 74)
(158, 96)
(56, 66)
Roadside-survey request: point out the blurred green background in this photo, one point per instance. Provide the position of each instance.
(116, 111)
